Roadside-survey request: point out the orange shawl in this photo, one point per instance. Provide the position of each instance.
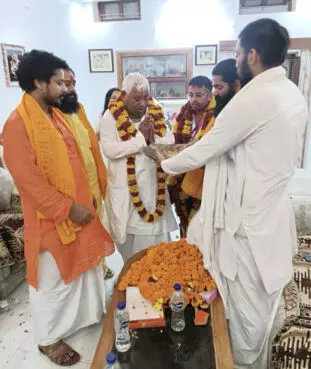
(52, 157)
(101, 168)
(192, 183)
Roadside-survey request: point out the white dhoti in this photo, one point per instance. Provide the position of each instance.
(135, 243)
(59, 310)
(254, 315)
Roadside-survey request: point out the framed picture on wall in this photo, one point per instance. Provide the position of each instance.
(167, 70)
(205, 54)
(101, 60)
(12, 55)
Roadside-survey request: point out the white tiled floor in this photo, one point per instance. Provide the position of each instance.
(17, 349)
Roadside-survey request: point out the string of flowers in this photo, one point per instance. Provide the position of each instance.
(183, 126)
(183, 135)
(166, 264)
(126, 131)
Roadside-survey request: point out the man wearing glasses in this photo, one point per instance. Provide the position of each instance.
(195, 119)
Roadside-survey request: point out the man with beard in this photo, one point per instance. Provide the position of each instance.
(195, 119)
(245, 227)
(64, 239)
(75, 115)
(226, 83)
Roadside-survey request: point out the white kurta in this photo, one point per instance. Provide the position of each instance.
(260, 135)
(122, 215)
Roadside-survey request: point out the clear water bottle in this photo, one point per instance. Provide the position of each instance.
(111, 361)
(177, 305)
(121, 325)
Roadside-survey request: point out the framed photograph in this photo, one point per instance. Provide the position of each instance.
(12, 55)
(156, 66)
(101, 60)
(206, 55)
(167, 70)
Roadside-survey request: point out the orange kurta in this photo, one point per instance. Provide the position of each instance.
(38, 195)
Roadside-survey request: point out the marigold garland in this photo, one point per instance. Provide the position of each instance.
(166, 264)
(182, 127)
(182, 131)
(126, 131)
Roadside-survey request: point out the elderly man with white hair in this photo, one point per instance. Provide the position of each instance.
(137, 202)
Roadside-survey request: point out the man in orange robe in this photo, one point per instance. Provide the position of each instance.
(64, 238)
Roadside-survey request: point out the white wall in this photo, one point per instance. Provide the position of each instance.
(66, 28)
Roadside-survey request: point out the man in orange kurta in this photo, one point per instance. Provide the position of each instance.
(64, 239)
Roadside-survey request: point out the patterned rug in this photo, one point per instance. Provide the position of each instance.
(12, 234)
(292, 345)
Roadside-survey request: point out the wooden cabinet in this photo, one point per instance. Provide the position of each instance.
(168, 70)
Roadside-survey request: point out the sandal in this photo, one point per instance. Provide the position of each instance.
(60, 354)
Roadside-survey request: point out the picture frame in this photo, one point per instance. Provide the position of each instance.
(206, 54)
(167, 70)
(11, 55)
(101, 61)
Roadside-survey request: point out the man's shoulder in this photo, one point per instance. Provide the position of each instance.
(14, 118)
(14, 125)
(81, 107)
(108, 116)
(14, 115)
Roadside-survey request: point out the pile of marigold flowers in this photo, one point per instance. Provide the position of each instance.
(166, 264)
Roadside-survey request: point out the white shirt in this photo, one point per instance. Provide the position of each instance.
(261, 131)
(122, 215)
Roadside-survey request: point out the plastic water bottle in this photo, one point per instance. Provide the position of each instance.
(111, 361)
(177, 305)
(121, 325)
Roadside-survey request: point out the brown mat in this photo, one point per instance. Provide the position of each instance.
(292, 345)
(12, 234)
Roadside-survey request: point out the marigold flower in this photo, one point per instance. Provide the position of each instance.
(166, 264)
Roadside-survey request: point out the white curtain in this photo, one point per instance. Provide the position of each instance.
(305, 88)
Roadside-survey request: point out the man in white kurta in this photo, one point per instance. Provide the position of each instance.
(131, 232)
(245, 227)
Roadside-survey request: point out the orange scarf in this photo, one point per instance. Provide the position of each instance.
(192, 183)
(101, 168)
(52, 157)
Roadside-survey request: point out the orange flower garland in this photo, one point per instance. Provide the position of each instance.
(182, 127)
(166, 264)
(126, 131)
(186, 206)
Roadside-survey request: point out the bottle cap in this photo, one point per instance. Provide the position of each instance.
(111, 358)
(177, 287)
(121, 305)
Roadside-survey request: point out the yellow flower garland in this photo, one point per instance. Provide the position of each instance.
(126, 131)
(183, 126)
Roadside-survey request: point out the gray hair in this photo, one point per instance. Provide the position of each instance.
(135, 81)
